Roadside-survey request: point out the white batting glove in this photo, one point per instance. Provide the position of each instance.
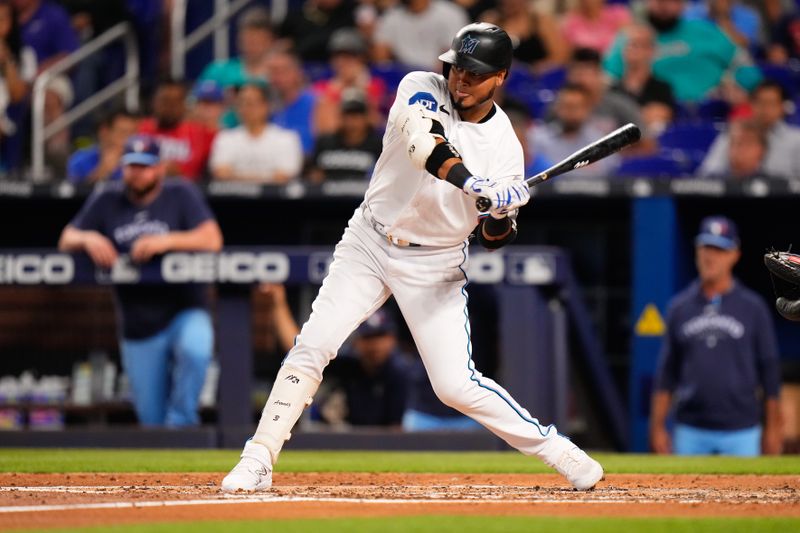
(478, 187)
(507, 197)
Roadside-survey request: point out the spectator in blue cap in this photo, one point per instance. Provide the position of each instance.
(719, 367)
(166, 334)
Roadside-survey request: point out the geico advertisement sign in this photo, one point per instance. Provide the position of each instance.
(34, 269)
(232, 267)
(251, 267)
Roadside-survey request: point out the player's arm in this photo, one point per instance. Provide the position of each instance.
(95, 244)
(494, 233)
(660, 441)
(206, 237)
(429, 149)
(83, 233)
(666, 380)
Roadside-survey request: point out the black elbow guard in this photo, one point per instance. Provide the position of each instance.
(504, 228)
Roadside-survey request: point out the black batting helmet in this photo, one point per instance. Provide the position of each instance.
(481, 48)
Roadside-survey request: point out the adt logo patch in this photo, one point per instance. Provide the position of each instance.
(425, 99)
(468, 45)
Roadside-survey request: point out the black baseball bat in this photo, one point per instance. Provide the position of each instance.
(601, 148)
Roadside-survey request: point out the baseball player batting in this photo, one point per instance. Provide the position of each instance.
(446, 145)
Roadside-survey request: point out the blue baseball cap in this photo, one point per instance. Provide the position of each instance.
(208, 91)
(380, 323)
(141, 150)
(719, 232)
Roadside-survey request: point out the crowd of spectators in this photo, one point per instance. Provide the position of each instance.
(306, 97)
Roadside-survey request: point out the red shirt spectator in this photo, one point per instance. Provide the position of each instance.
(185, 145)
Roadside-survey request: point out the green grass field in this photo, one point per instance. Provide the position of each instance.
(103, 460)
(465, 524)
(85, 460)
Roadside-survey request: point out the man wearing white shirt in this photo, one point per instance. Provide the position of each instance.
(256, 150)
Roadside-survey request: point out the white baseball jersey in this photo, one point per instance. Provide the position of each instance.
(412, 204)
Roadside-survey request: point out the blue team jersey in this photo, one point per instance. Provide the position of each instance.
(147, 309)
(719, 358)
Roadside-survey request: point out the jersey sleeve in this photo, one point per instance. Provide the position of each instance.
(91, 215)
(423, 88)
(668, 370)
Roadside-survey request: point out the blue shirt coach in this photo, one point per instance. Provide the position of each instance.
(166, 333)
(719, 362)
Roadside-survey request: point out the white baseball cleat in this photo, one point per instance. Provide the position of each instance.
(581, 471)
(253, 472)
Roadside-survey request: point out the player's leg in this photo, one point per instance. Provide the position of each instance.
(146, 363)
(192, 345)
(431, 293)
(351, 292)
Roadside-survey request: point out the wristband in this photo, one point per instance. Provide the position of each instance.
(458, 174)
(440, 153)
(497, 227)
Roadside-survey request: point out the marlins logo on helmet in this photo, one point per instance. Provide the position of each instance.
(468, 45)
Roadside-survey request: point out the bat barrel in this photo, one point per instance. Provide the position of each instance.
(602, 148)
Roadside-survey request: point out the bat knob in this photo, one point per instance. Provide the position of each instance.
(483, 204)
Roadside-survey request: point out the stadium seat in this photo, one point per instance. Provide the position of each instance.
(787, 76)
(316, 71)
(689, 137)
(390, 73)
(536, 92)
(522, 87)
(713, 110)
(551, 79)
(653, 166)
(688, 143)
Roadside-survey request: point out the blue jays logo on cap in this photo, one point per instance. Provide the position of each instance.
(468, 45)
(719, 232)
(141, 150)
